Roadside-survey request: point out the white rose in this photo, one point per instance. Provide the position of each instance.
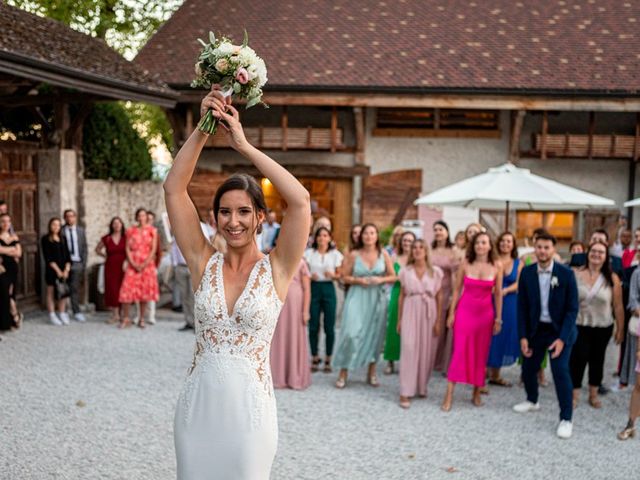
(224, 49)
(222, 65)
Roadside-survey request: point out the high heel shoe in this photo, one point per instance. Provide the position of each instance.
(627, 433)
(373, 380)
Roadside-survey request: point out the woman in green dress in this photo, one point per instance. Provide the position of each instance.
(392, 340)
(366, 269)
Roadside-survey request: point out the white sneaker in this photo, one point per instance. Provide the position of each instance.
(151, 321)
(64, 318)
(565, 429)
(54, 320)
(526, 406)
(79, 317)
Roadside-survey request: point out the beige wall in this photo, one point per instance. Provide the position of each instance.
(104, 200)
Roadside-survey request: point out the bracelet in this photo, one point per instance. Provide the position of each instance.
(498, 321)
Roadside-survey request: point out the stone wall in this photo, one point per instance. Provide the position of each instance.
(104, 200)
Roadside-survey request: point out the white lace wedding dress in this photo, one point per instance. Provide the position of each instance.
(226, 425)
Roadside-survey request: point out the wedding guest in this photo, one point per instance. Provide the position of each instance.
(598, 235)
(184, 286)
(528, 256)
(576, 247)
(289, 350)
(354, 237)
(76, 239)
(505, 346)
(625, 237)
(460, 241)
(57, 261)
(140, 283)
(269, 230)
(321, 222)
(10, 252)
(4, 208)
(634, 404)
(364, 313)
(475, 315)
(627, 369)
(112, 247)
(394, 240)
(325, 263)
(158, 259)
(392, 339)
(547, 310)
(600, 296)
(6, 321)
(211, 227)
(630, 254)
(419, 321)
(444, 256)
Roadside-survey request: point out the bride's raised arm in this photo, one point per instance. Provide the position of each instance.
(292, 240)
(183, 216)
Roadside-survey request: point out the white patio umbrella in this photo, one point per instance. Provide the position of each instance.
(632, 203)
(508, 186)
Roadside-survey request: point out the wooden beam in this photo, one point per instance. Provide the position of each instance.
(334, 129)
(23, 100)
(74, 134)
(410, 196)
(285, 130)
(516, 131)
(176, 125)
(359, 119)
(543, 139)
(592, 129)
(299, 171)
(61, 123)
(445, 100)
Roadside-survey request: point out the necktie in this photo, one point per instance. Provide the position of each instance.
(71, 234)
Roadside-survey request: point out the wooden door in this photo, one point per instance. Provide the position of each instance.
(387, 198)
(18, 187)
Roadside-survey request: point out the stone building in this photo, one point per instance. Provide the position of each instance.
(39, 179)
(374, 102)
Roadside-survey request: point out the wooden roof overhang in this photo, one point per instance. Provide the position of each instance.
(90, 86)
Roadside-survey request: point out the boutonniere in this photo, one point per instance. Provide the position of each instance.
(554, 282)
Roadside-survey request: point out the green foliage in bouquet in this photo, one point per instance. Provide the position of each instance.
(112, 148)
(237, 69)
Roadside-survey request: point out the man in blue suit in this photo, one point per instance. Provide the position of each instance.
(547, 310)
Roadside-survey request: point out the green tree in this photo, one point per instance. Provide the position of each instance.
(125, 25)
(112, 148)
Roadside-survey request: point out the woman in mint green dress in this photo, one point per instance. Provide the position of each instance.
(364, 314)
(392, 339)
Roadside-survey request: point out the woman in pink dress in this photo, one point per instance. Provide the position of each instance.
(290, 366)
(140, 283)
(476, 313)
(419, 321)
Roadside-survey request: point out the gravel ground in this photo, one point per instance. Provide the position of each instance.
(91, 402)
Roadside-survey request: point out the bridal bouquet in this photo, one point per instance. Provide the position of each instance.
(237, 69)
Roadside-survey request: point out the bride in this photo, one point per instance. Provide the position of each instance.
(225, 425)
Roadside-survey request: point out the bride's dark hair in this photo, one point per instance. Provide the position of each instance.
(246, 183)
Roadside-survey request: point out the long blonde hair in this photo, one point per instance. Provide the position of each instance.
(427, 250)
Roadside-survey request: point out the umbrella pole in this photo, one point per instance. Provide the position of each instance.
(506, 217)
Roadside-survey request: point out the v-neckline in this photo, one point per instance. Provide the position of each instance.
(223, 294)
(365, 264)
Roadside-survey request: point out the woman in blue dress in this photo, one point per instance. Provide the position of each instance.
(364, 314)
(505, 347)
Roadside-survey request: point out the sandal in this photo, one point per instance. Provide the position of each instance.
(141, 324)
(595, 402)
(315, 364)
(500, 382)
(388, 370)
(341, 382)
(627, 433)
(327, 367)
(405, 403)
(373, 381)
(124, 323)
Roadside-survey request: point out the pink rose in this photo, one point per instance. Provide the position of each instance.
(242, 76)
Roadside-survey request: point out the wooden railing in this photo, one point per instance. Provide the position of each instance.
(287, 138)
(586, 146)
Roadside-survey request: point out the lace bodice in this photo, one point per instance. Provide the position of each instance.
(245, 332)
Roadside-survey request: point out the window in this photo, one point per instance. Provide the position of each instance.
(436, 122)
(559, 224)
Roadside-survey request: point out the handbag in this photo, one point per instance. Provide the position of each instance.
(634, 326)
(61, 289)
(101, 285)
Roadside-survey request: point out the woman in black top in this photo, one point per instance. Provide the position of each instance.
(10, 252)
(57, 262)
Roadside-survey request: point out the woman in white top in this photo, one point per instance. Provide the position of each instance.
(324, 262)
